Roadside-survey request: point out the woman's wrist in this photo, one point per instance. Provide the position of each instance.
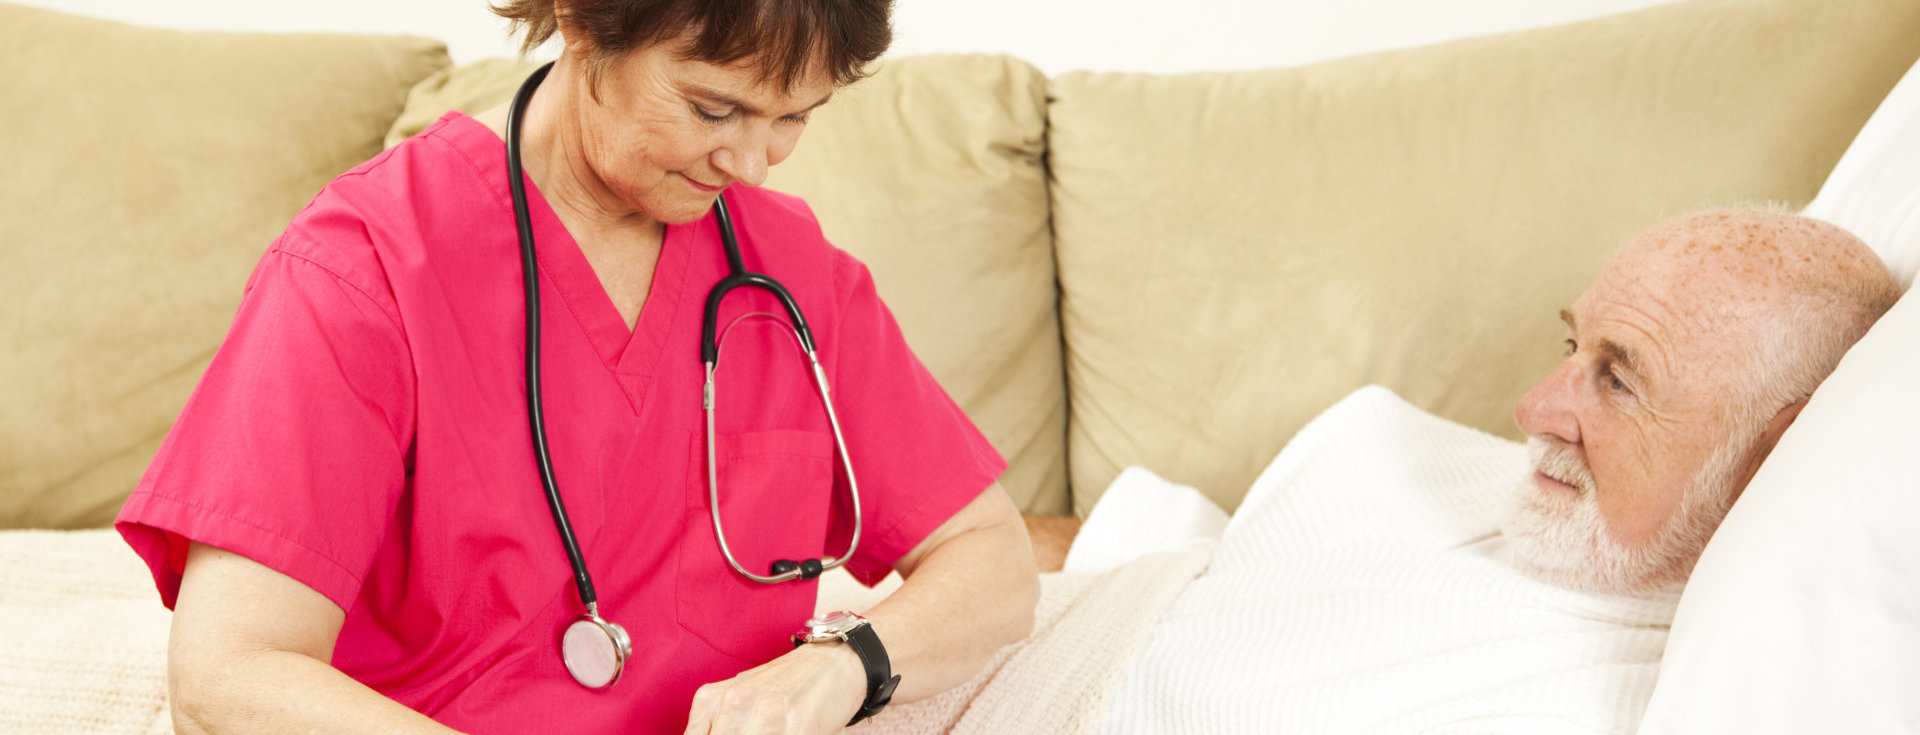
(843, 677)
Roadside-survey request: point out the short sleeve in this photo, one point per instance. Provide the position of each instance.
(292, 450)
(917, 457)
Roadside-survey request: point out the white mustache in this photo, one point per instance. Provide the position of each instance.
(1561, 463)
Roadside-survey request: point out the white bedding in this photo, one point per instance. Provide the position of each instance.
(1362, 587)
(1139, 514)
(1059, 680)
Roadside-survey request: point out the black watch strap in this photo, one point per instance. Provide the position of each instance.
(873, 657)
(880, 678)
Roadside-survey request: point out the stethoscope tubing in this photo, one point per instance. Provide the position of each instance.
(795, 570)
(530, 278)
(739, 277)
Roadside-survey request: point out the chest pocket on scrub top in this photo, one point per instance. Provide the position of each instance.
(776, 493)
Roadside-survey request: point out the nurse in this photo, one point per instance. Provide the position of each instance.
(347, 519)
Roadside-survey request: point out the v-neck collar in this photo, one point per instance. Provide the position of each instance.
(633, 356)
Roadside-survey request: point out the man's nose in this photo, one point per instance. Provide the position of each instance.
(1547, 411)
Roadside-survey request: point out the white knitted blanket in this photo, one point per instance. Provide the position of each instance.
(83, 638)
(83, 642)
(1060, 679)
(1363, 587)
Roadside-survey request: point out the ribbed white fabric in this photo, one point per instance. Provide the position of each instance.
(83, 637)
(1363, 587)
(1141, 513)
(1059, 680)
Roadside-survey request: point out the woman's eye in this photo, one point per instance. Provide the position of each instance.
(711, 116)
(1572, 346)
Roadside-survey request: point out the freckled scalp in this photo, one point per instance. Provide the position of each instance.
(1800, 290)
(1759, 253)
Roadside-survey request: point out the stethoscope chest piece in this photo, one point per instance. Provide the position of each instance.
(595, 651)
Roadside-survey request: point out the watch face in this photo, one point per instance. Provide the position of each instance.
(835, 623)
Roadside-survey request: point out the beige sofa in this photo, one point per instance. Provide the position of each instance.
(1103, 269)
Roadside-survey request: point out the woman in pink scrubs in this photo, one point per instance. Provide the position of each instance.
(347, 518)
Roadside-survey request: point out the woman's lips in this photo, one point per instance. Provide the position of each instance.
(702, 187)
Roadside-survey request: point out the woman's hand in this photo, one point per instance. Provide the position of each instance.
(812, 690)
(969, 589)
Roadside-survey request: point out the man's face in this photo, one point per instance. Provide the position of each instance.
(1636, 450)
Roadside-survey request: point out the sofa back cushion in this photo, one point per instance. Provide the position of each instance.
(1239, 250)
(146, 171)
(931, 173)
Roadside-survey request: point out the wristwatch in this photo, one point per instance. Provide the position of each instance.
(847, 627)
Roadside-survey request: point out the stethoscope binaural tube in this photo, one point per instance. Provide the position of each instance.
(785, 570)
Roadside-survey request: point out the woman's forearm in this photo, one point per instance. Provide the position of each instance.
(285, 692)
(965, 594)
(248, 654)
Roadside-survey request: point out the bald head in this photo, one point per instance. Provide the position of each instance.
(1686, 360)
(1781, 296)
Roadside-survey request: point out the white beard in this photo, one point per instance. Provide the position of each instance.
(1564, 541)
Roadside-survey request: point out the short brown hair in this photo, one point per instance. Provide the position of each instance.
(786, 36)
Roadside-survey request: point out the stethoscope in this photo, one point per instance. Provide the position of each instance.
(594, 650)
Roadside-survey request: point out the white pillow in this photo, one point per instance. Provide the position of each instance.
(1874, 191)
(1803, 615)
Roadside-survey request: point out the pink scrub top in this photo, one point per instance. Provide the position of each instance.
(363, 430)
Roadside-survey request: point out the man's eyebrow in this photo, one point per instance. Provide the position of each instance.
(725, 99)
(1621, 354)
(1614, 351)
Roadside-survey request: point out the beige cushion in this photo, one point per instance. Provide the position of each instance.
(930, 172)
(470, 88)
(1239, 250)
(86, 640)
(146, 171)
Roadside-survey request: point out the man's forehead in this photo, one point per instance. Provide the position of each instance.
(1670, 325)
(1692, 285)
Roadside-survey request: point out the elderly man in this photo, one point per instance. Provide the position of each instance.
(1386, 574)
(1686, 360)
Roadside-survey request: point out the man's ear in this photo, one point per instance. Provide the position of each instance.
(1763, 446)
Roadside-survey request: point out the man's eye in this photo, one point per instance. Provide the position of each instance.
(1572, 347)
(1615, 383)
(711, 116)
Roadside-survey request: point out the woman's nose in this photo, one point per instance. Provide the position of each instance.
(745, 160)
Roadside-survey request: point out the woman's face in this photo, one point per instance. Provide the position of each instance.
(668, 134)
